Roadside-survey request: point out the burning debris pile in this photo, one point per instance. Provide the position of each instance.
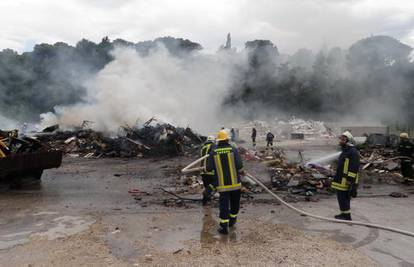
(297, 179)
(149, 140)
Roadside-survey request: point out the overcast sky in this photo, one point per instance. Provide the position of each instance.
(290, 24)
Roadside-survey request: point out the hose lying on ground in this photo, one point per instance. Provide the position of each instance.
(391, 229)
(179, 197)
(328, 219)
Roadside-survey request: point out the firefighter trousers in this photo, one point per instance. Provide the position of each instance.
(344, 201)
(229, 205)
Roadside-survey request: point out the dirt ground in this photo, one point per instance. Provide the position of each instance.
(85, 214)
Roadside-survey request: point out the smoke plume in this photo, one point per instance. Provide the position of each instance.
(185, 91)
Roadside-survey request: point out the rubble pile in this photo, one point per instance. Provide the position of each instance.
(23, 159)
(148, 140)
(381, 162)
(294, 178)
(15, 145)
(288, 129)
(308, 128)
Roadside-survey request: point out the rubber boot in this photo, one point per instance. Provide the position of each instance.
(232, 222)
(223, 229)
(344, 216)
(206, 197)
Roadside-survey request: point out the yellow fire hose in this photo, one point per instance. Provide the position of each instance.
(190, 168)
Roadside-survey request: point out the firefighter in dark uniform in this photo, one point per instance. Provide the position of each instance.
(346, 179)
(269, 139)
(227, 165)
(406, 149)
(207, 177)
(254, 133)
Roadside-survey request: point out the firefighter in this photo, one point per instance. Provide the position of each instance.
(233, 135)
(269, 139)
(254, 133)
(224, 160)
(346, 179)
(406, 149)
(207, 177)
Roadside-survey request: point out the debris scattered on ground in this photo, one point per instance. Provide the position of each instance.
(152, 139)
(398, 194)
(294, 128)
(380, 162)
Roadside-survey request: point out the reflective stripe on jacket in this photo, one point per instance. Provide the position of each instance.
(347, 170)
(406, 148)
(205, 150)
(224, 160)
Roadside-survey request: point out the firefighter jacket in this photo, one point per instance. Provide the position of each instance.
(347, 170)
(269, 137)
(406, 148)
(205, 150)
(227, 165)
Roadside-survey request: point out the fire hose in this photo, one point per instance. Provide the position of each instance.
(191, 168)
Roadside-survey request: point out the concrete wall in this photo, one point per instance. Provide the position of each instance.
(361, 130)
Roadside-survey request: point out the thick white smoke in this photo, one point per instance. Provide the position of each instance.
(186, 91)
(7, 124)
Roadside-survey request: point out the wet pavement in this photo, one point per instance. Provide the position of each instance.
(85, 192)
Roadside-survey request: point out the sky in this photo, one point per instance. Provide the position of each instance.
(289, 24)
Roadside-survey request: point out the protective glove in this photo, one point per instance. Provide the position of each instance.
(353, 191)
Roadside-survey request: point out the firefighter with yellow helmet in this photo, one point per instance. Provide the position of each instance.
(224, 160)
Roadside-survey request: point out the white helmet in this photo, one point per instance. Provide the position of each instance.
(211, 138)
(348, 135)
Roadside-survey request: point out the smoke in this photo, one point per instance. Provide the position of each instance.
(185, 91)
(7, 124)
(371, 81)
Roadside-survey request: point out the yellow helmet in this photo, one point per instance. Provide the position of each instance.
(404, 135)
(222, 135)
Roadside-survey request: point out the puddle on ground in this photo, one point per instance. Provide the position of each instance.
(47, 224)
(169, 233)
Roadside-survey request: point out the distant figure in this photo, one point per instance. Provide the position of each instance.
(406, 149)
(233, 135)
(254, 133)
(269, 139)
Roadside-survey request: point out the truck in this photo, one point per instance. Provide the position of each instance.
(23, 160)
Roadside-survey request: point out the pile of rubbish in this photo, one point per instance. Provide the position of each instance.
(308, 128)
(293, 128)
(13, 144)
(23, 159)
(295, 178)
(152, 139)
(381, 162)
